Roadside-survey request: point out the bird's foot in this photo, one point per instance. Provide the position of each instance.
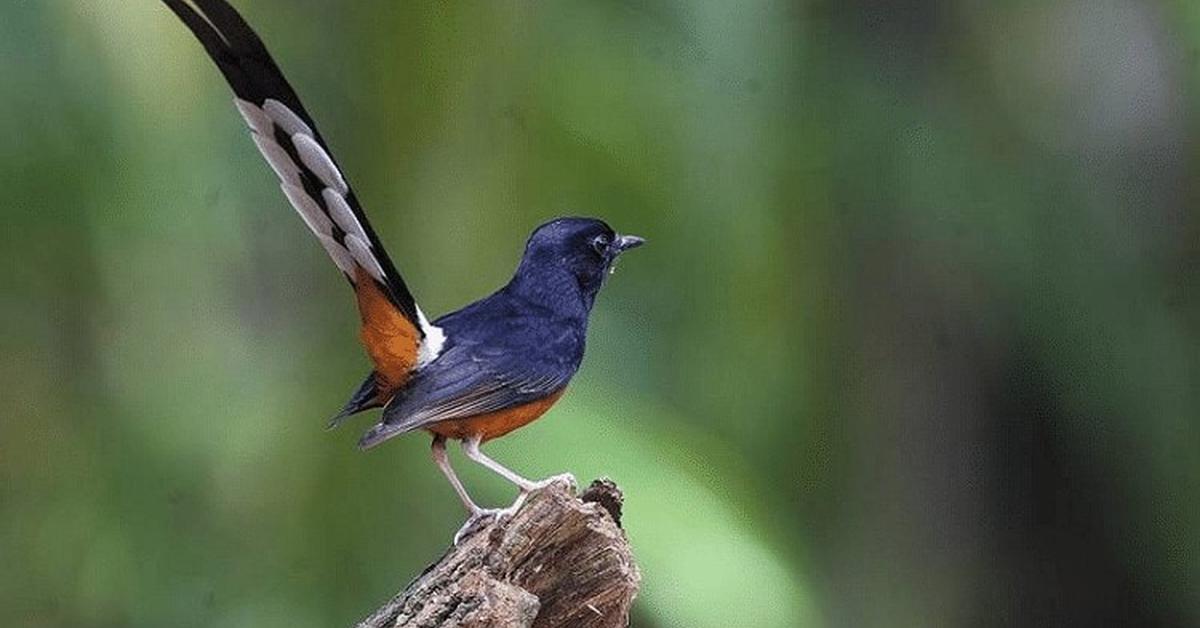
(566, 478)
(481, 517)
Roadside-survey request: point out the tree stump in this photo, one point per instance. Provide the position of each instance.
(558, 560)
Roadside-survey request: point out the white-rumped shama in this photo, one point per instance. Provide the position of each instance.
(471, 375)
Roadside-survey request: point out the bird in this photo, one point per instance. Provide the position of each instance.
(472, 375)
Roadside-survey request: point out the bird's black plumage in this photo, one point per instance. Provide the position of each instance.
(472, 374)
(254, 77)
(522, 343)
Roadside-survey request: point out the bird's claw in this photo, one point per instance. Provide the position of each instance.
(540, 484)
(480, 518)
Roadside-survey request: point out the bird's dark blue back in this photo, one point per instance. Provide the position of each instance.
(513, 331)
(476, 374)
(522, 343)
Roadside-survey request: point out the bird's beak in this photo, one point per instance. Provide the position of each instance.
(626, 242)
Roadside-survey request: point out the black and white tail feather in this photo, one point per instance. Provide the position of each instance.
(286, 136)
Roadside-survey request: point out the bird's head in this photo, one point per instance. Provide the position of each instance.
(585, 248)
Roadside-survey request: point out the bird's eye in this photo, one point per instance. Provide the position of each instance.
(600, 243)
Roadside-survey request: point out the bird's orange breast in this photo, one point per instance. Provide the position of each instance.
(495, 424)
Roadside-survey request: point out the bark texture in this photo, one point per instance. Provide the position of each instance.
(558, 560)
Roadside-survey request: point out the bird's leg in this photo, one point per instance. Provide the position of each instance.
(471, 448)
(443, 463)
(477, 514)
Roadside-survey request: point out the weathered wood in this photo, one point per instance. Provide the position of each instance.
(558, 560)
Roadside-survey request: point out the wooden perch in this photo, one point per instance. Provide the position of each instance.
(559, 560)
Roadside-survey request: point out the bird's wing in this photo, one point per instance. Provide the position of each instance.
(466, 381)
(395, 332)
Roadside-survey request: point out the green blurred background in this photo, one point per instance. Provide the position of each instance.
(916, 340)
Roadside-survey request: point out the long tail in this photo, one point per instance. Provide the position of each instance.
(395, 332)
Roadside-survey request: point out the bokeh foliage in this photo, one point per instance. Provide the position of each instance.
(916, 339)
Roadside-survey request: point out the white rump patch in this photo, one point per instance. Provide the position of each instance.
(435, 339)
(362, 254)
(255, 117)
(280, 162)
(319, 162)
(288, 121)
(340, 211)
